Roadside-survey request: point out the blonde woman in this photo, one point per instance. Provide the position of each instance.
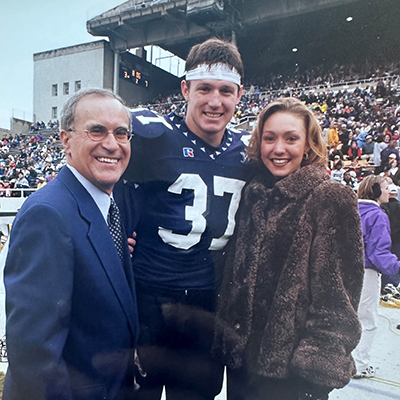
(288, 309)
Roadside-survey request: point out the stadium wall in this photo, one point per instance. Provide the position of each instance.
(92, 65)
(17, 126)
(81, 66)
(20, 125)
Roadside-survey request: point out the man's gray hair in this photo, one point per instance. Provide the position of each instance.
(68, 111)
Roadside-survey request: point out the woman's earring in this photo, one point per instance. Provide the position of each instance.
(305, 156)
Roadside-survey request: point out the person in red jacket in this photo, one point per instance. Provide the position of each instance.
(354, 151)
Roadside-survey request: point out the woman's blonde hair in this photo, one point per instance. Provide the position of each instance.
(316, 152)
(369, 189)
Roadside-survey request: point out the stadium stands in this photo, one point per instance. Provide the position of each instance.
(359, 101)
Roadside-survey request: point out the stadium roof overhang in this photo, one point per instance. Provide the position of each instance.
(266, 30)
(172, 23)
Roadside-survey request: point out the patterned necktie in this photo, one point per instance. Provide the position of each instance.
(115, 228)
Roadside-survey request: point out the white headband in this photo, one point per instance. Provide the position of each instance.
(218, 71)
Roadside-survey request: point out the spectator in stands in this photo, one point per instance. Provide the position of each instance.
(392, 209)
(394, 170)
(287, 321)
(343, 133)
(350, 180)
(52, 176)
(378, 147)
(7, 187)
(39, 165)
(390, 149)
(32, 174)
(333, 136)
(387, 138)
(338, 171)
(41, 181)
(335, 153)
(347, 144)
(21, 182)
(326, 122)
(368, 148)
(354, 152)
(386, 132)
(361, 136)
(372, 193)
(2, 192)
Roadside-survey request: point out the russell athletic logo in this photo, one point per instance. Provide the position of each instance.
(188, 152)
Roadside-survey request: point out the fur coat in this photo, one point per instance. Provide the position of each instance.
(288, 303)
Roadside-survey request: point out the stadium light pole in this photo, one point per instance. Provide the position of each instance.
(116, 72)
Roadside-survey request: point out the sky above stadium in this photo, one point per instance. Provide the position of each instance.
(33, 26)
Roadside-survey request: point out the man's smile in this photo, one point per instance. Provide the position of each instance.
(213, 115)
(107, 160)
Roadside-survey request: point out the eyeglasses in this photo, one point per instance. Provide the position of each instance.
(99, 132)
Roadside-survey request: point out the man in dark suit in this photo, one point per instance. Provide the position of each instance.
(70, 298)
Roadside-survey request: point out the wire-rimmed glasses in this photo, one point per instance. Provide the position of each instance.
(99, 132)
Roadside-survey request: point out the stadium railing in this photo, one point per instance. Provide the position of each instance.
(336, 86)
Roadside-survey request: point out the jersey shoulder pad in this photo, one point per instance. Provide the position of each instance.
(149, 124)
(242, 135)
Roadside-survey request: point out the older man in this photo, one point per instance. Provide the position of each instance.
(70, 298)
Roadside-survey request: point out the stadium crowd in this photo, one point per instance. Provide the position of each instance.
(326, 75)
(30, 160)
(359, 126)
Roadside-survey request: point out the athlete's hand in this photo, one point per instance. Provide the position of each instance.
(132, 243)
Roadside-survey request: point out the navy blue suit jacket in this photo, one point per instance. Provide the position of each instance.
(71, 309)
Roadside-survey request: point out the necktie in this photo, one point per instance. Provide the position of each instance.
(115, 228)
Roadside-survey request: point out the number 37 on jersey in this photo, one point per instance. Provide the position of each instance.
(195, 213)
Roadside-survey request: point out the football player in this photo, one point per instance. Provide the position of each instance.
(190, 173)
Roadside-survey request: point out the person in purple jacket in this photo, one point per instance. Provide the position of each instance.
(372, 192)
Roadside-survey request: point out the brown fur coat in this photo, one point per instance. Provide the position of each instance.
(288, 304)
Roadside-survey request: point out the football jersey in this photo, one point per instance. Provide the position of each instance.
(190, 194)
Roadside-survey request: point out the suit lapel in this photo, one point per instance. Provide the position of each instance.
(121, 281)
(101, 240)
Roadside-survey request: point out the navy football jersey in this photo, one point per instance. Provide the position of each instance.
(190, 192)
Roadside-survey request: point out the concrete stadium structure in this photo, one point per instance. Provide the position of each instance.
(266, 31)
(59, 73)
(272, 36)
